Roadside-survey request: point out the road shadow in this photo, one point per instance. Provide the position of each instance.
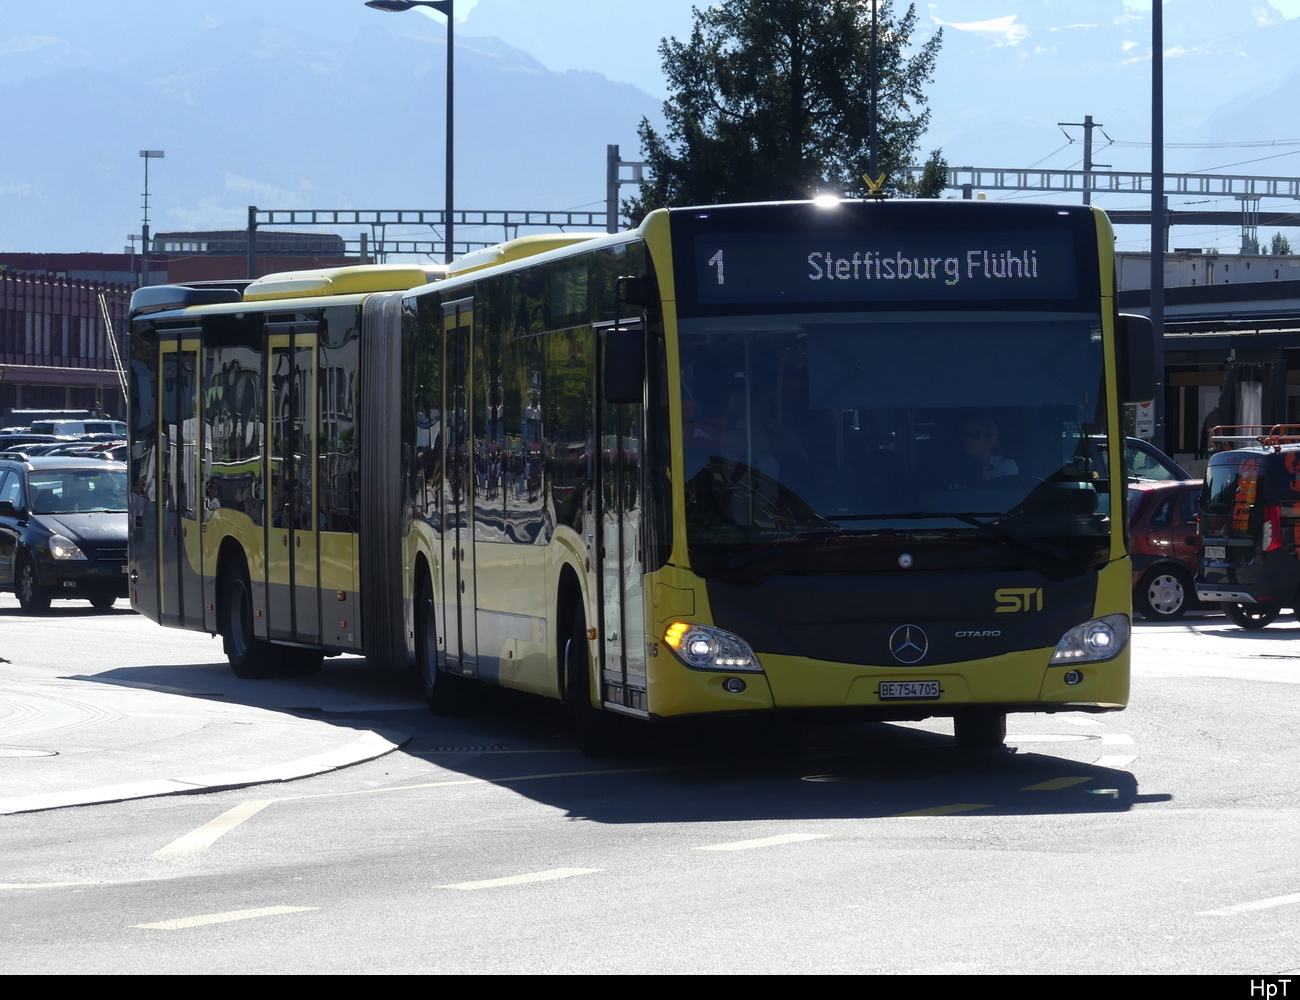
(1285, 629)
(702, 770)
(79, 608)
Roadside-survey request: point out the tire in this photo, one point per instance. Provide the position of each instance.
(445, 693)
(103, 602)
(32, 597)
(980, 730)
(250, 658)
(1163, 593)
(599, 733)
(1251, 616)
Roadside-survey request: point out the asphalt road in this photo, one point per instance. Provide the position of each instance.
(1162, 839)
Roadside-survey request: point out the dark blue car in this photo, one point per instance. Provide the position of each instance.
(62, 530)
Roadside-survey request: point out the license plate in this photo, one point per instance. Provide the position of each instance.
(895, 690)
(1216, 553)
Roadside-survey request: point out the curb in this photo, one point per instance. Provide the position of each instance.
(366, 747)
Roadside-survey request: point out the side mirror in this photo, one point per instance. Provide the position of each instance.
(623, 372)
(7, 509)
(1135, 343)
(623, 353)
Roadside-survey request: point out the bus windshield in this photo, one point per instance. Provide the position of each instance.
(966, 426)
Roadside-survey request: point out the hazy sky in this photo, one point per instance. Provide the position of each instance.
(1037, 72)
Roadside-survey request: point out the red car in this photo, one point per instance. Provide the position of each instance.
(1162, 519)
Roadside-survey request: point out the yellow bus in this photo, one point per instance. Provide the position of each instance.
(749, 458)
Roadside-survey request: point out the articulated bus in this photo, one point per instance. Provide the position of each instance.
(745, 458)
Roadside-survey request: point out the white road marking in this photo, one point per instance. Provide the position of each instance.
(546, 876)
(1116, 739)
(1083, 721)
(223, 918)
(1046, 737)
(96, 882)
(206, 835)
(476, 781)
(1259, 904)
(1116, 760)
(746, 845)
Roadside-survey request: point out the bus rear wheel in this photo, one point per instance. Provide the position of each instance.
(980, 730)
(1251, 616)
(250, 658)
(445, 693)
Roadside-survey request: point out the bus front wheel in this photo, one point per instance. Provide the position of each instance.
(600, 733)
(980, 730)
(445, 693)
(250, 658)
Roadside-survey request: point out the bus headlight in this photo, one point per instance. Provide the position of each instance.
(64, 548)
(1091, 642)
(703, 647)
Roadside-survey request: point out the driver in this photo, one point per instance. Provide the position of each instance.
(983, 451)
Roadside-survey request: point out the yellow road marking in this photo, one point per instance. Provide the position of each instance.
(546, 876)
(745, 845)
(206, 835)
(1054, 784)
(957, 807)
(223, 918)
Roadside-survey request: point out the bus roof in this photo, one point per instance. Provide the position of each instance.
(342, 281)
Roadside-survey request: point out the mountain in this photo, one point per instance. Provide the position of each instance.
(255, 112)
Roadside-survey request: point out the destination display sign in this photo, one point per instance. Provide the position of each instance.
(883, 266)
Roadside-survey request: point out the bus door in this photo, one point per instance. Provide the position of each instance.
(292, 589)
(618, 520)
(181, 549)
(460, 595)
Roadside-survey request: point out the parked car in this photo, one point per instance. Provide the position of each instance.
(1165, 547)
(78, 428)
(1250, 523)
(1144, 461)
(63, 530)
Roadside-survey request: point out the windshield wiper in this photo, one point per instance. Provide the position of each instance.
(1015, 536)
(785, 545)
(968, 517)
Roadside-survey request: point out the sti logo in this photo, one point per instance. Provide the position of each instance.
(1013, 599)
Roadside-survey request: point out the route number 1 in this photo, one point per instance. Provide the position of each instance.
(716, 260)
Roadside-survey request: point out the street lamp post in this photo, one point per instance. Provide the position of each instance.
(442, 7)
(147, 154)
(1158, 212)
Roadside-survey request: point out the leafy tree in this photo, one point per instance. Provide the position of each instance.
(1280, 246)
(771, 99)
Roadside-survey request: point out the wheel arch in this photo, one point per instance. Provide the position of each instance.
(569, 597)
(230, 554)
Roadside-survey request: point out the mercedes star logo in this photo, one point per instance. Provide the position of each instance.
(909, 644)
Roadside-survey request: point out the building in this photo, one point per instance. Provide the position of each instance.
(55, 348)
(1232, 341)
